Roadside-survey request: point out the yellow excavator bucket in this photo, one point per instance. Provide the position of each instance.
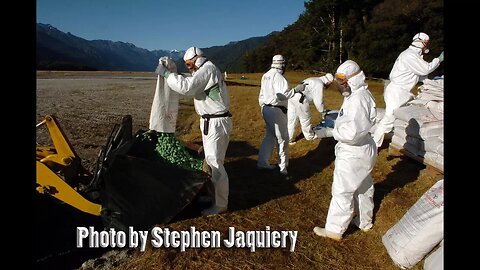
(59, 167)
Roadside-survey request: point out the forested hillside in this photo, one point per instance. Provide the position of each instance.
(370, 32)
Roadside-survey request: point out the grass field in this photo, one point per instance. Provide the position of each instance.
(257, 199)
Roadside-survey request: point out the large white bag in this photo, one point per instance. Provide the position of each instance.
(164, 112)
(434, 261)
(418, 231)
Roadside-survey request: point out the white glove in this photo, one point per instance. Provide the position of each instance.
(168, 62)
(165, 66)
(299, 88)
(440, 57)
(162, 70)
(324, 132)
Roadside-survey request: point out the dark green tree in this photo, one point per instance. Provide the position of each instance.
(371, 32)
(390, 31)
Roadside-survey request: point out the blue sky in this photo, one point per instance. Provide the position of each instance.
(168, 25)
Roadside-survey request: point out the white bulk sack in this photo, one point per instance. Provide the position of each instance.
(431, 129)
(400, 132)
(419, 113)
(436, 108)
(435, 84)
(434, 159)
(398, 140)
(434, 261)
(424, 130)
(400, 124)
(418, 231)
(434, 145)
(164, 112)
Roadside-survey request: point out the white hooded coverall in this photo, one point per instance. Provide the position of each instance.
(274, 91)
(355, 156)
(210, 93)
(406, 71)
(301, 111)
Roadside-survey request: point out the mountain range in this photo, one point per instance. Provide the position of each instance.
(57, 50)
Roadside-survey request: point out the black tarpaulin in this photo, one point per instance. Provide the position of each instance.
(138, 189)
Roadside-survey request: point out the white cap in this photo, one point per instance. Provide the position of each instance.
(278, 61)
(191, 53)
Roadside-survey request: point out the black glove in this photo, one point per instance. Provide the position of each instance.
(302, 98)
(299, 88)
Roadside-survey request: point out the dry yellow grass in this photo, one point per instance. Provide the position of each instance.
(260, 199)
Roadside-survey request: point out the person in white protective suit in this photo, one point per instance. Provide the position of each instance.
(299, 106)
(405, 74)
(355, 154)
(273, 100)
(212, 102)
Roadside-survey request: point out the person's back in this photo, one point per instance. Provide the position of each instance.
(314, 90)
(273, 100)
(272, 88)
(314, 86)
(217, 90)
(207, 86)
(409, 67)
(299, 105)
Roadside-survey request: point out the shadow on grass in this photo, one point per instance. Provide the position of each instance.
(232, 83)
(240, 149)
(404, 172)
(314, 161)
(250, 187)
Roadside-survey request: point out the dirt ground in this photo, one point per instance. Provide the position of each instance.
(88, 104)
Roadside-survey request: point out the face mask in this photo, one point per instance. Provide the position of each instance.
(344, 89)
(280, 65)
(424, 46)
(191, 64)
(341, 83)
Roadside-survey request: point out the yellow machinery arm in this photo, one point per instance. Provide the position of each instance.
(61, 159)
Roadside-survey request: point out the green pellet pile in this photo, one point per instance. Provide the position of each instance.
(172, 151)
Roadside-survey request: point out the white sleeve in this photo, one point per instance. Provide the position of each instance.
(281, 88)
(317, 97)
(421, 67)
(189, 86)
(260, 97)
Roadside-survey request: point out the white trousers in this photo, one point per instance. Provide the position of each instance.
(215, 145)
(276, 135)
(352, 187)
(394, 97)
(299, 111)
